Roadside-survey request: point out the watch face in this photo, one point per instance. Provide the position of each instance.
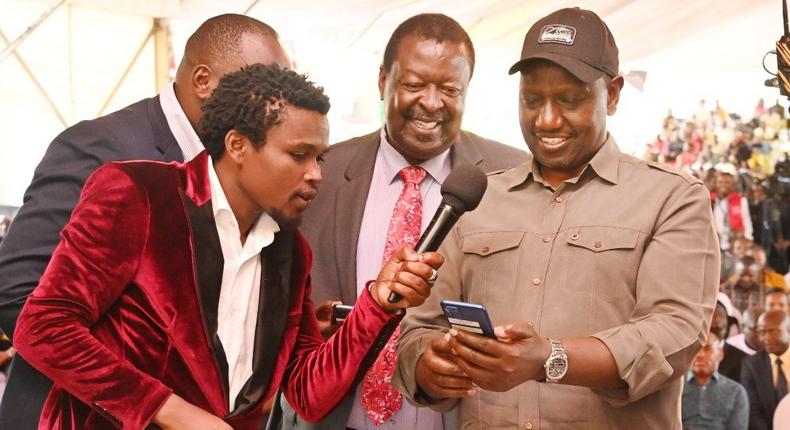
(557, 368)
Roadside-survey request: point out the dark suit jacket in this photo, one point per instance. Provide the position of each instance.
(126, 312)
(757, 379)
(332, 226)
(730, 366)
(139, 131)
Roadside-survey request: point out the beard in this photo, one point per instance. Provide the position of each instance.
(286, 222)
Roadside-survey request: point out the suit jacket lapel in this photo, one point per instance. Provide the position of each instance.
(209, 264)
(164, 140)
(353, 194)
(465, 151)
(767, 393)
(273, 308)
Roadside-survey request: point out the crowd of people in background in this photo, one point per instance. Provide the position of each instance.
(739, 378)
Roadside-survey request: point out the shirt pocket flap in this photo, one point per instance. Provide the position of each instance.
(488, 243)
(601, 238)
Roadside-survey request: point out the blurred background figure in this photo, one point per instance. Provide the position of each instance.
(730, 211)
(764, 375)
(710, 399)
(5, 224)
(742, 345)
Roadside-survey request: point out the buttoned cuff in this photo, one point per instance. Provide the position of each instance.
(641, 364)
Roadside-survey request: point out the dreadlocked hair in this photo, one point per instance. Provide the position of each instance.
(252, 100)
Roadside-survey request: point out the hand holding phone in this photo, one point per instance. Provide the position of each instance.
(468, 316)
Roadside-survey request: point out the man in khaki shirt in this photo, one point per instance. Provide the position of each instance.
(614, 259)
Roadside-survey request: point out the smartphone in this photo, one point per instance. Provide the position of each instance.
(340, 312)
(468, 316)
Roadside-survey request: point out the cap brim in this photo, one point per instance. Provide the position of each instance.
(581, 70)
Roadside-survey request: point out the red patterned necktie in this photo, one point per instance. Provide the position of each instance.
(380, 400)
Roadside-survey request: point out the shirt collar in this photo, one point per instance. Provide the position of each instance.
(785, 357)
(179, 124)
(262, 232)
(437, 167)
(605, 163)
(690, 376)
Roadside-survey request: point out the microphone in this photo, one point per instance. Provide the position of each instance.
(461, 192)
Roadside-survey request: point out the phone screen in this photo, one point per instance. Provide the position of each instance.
(471, 317)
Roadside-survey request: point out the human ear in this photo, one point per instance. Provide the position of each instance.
(236, 145)
(382, 82)
(201, 81)
(613, 92)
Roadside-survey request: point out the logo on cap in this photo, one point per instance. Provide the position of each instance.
(557, 33)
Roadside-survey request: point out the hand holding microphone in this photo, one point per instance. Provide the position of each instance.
(461, 192)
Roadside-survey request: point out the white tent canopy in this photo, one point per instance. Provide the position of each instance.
(692, 50)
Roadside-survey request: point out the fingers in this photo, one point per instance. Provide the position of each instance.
(433, 259)
(477, 351)
(410, 275)
(439, 376)
(323, 312)
(516, 331)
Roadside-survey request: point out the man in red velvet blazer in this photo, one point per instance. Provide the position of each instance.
(124, 320)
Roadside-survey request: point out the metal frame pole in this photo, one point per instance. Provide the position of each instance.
(127, 70)
(11, 48)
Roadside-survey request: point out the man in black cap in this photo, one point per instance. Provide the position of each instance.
(599, 270)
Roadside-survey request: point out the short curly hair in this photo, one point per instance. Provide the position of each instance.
(251, 101)
(431, 26)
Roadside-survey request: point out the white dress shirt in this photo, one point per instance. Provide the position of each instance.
(179, 124)
(237, 314)
(385, 188)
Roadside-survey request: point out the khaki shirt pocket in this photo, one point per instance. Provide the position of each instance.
(602, 261)
(489, 269)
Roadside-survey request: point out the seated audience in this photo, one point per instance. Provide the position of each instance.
(775, 299)
(745, 287)
(764, 375)
(711, 400)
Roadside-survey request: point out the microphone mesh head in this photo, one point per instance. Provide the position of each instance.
(464, 188)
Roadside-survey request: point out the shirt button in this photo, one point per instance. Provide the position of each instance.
(536, 281)
(597, 244)
(558, 199)
(528, 425)
(575, 236)
(546, 239)
(486, 249)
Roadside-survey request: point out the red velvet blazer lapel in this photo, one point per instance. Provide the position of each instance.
(194, 328)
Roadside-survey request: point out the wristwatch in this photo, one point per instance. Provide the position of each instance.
(557, 364)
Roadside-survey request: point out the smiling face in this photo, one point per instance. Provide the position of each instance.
(281, 176)
(424, 93)
(563, 120)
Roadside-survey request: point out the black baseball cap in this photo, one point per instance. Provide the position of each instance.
(576, 39)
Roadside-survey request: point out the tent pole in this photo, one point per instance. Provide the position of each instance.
(127, 70)
(163, 52)
(252, 5)
(36, 82)
(8, 50)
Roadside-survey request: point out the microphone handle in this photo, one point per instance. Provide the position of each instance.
(443, 220)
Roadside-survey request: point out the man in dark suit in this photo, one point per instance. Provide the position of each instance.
(730, 364)
(764, 375)
(158, 128)
(423, 80)
(179, 294)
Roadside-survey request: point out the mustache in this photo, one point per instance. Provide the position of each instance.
(420, 114)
